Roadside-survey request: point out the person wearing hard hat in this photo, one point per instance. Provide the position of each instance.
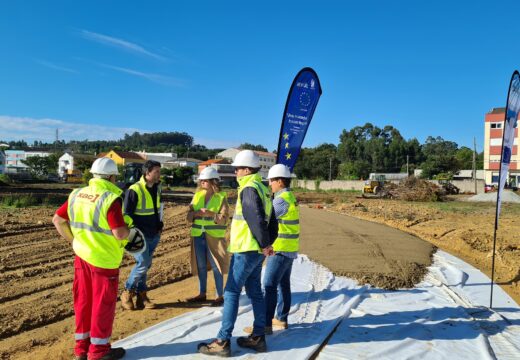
(208, 213)
(92, 219)
(249, 244)
(277, 276)
(143, 205)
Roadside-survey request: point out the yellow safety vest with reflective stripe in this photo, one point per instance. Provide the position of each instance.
(288, 239)
(242, 238)
(93, 239)
(144, 205)
(207, 224)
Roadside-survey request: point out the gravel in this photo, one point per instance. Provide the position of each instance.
(507, 196)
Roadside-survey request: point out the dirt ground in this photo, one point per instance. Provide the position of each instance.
(36, 265)
(459, 227)
(375, 254)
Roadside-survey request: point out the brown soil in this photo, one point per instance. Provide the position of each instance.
(463, 229)
(377, 254)
(36, 265)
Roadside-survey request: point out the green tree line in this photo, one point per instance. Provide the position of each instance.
(368, 148)
(360, 151)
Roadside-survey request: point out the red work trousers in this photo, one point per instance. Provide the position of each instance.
(95, 297)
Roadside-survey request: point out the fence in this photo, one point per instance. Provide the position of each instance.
(465, 186)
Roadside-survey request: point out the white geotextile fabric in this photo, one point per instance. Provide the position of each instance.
(444, 317)
(320, 301)
(441, 318)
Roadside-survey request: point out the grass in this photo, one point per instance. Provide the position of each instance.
(23, 201)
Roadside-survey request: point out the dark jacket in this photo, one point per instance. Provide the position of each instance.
(150, 225)
(254, 214)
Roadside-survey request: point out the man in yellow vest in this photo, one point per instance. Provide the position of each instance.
(93, 221)
(277, 276)
(249, 244)
(143, 205)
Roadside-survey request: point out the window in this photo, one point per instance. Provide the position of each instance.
(496, 125)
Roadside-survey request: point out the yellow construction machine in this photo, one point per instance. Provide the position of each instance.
(73, 176)
(374, 186)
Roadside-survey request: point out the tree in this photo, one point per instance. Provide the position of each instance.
(83, 163)
(177, 176)
(316, 163)
(248, 146)
(440, 157)
(367, 148)
(39, 166)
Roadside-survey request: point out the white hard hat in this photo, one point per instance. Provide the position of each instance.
(279, 171)
(104, 166)
(247, 158)
(136, 242)
(209, 173)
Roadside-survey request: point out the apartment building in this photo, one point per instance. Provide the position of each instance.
(493, 134)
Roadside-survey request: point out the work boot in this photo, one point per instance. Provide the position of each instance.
(114, 354)
(142, 301)
(126, 300)
(218, 301)
(280, 324)
(268, 330)
(256, 343)
(197, 299)
(216, 348)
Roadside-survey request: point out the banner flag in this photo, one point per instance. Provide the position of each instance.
(301, 102)
(512, 110)
(508, 137)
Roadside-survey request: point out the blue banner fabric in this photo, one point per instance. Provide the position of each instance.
(512, 110)
(301, 102)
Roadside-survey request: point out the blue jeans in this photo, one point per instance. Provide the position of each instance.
(245, 270)
(137, 279)
(277, 287)
(202, 254)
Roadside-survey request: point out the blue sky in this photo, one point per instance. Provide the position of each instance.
(221, 71)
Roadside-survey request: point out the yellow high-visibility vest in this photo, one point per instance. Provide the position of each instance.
(242, 238)
(288, 239)
(93, 239)
(144, 199)
(207, 224)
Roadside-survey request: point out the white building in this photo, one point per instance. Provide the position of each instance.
(267, 159)
(68, 161)
(14, 159)
(160, 157)
(182, 162)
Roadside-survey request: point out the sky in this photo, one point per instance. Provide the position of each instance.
(221, 70)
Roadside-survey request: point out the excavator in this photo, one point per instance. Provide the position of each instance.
(132, 172)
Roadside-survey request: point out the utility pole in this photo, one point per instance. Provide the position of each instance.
(407, 171)
(330, 169)
(56, 141)
(475, 163)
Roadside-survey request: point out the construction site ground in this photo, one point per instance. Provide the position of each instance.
(36, 265)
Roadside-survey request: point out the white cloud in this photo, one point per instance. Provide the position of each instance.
(120, 43)
(55, 67)
(29, 129)
(156, 78)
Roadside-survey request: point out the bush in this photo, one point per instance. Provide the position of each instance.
(4, 178)
(19, 201)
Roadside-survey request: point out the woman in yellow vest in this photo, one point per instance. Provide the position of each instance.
(209, 215)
